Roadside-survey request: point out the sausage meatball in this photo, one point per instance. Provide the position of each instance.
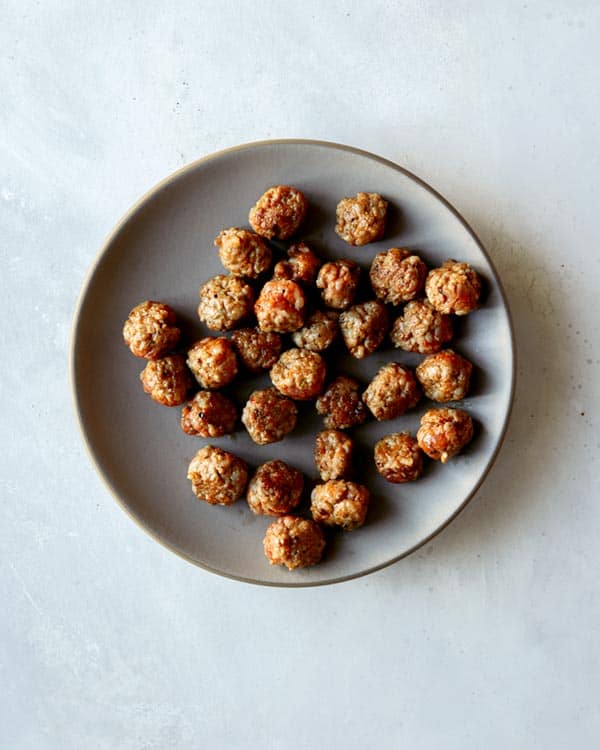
(320, 331)
(421, 328)
(364, 327)
(268, 416)
(257, 350)
(299, 374)
(294, 542)
(243, 253)
(213, 362)
(167, 381)
(444, 432)
(150, 330)
(398, 458)
(209, 414)
(302, 265)
(281, 306)
(453, 288)
(333, 455)
(341, 405)
(397, 275)
(361, 220)
(338, 282)
(217, 477)
(275, 489)
(391, 392)
(224, 302)
(445, 376)
(340, 503)
(279, 212)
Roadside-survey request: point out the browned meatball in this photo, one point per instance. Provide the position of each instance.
(398, 458)
(421, 328)
(453, 288)
(209, 414)
(275, 489)
(167, 381)
(281, 306)
(243, 253)
(333, 454)
(361, 220)
(213, 362)
(340, 405)
(397, 275)
(268, 416)
(224, 302)
(340, 503)
(150, 330)
(217, 477)
(279, 212)
(338, 281)
(445, 376)
(391, 392)
(320, 331)
(302, 265)
(294, 542)
(364, 327)
(299, 374)
(257, 350)
(444, 432)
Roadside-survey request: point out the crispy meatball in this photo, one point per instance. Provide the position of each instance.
(397, 275)
(294, 542)
(361, 220)
(257, 350)
(224, 302)
(281, 306)
(445, 376)
(302, 265)
(167, 381)
(217, 477)
(275, 489)
(398, 458)
(213, 362)
(340, 503)
(319, 332)
(338, 281)
(150, 330)
(243, 253)
(421, 328)
(333, 454)
(279, 212)
(268, 416)
(391, 392)
(340, 405)
(364, 327)
(299, 374)
(209, 414)
(453, 288)
(444, 432)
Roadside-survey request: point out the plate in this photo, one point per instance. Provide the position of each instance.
(163, 250)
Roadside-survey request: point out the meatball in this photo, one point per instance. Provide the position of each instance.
(445, 376)
(453, 288)
(338, 281)
(209, 414)
(167, 381)
(217, 477)
(340, 405)
(294, 542)
(275, 489)
(421, 328)
(257, 350)
(224, 302)
(302, 265)
(281, 306)
(213, 362)
(361, 220)
(319, 332)
(150, 330)
(364, 327)
(333, 455)
(243, 253)
(340, 503)
(397, 275)
(299, 374)
(444, 432)
(398, 458)
(268, 416)
(391, 392)
(279, 212)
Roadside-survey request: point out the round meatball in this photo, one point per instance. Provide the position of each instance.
(275, 489)
(167, 381)
(444, 432)
(299, 374)
(445, 376)
(278, 213)
(333, 455)
(421, 328)
(391, 392)
(361, 220)
(213, 362)
(320, 331)
(340, 503)
(453, 288)
(150, 330)
(302, 265)
(281, 306)
(364, 327)
(257, 350)
(243, 253)
(209, 414)
(294, 542)
(217, 477)
(397, 275)
(341, 405)
(224, 302)
(268, 416)
(338, 282)
(398, 458)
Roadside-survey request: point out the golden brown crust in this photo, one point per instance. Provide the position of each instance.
(445, 376)
(150, 330)
(213, 361)
(421, 328)
(225, 301)
(268, 416)
(364, 327)
(341, 405)
(281, 306)
(279, 212)
(209, 414)
(275, 489)
(243, 253)
(340, 503)
(257, 350)
(338, 282)
(453, 288)
(444, 432)
(397, 275)
(167, 380)
(361, 219)
(294, 542)
(217, 477)
(398, 458)
(333, 455)
(299, 374)
(392, 391)
(319, 333)
(302, 265)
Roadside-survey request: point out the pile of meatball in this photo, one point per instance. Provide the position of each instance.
(282, 317)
